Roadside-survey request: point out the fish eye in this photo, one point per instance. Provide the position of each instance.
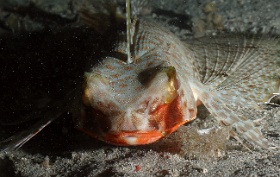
(149, 74)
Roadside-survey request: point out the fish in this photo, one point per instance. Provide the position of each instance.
(139, 102)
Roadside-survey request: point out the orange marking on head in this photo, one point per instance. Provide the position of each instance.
(128, 68)
(115, 76)
(122, 85)
(173, 116)
(110, 67)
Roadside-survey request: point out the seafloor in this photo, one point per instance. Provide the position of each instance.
(45, 36)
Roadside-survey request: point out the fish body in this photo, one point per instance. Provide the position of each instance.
(141, 102)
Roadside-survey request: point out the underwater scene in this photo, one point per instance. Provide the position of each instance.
(139, 88)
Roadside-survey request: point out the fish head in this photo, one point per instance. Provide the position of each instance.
(130, 104)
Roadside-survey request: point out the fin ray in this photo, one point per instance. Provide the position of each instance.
(241, 127)
(242, 65)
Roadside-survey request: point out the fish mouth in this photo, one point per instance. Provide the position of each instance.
(129, 138)
(133, 138)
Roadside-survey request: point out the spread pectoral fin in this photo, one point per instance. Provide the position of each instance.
(244, 65)
(54, 111)
(241, 127)
(16, 141)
